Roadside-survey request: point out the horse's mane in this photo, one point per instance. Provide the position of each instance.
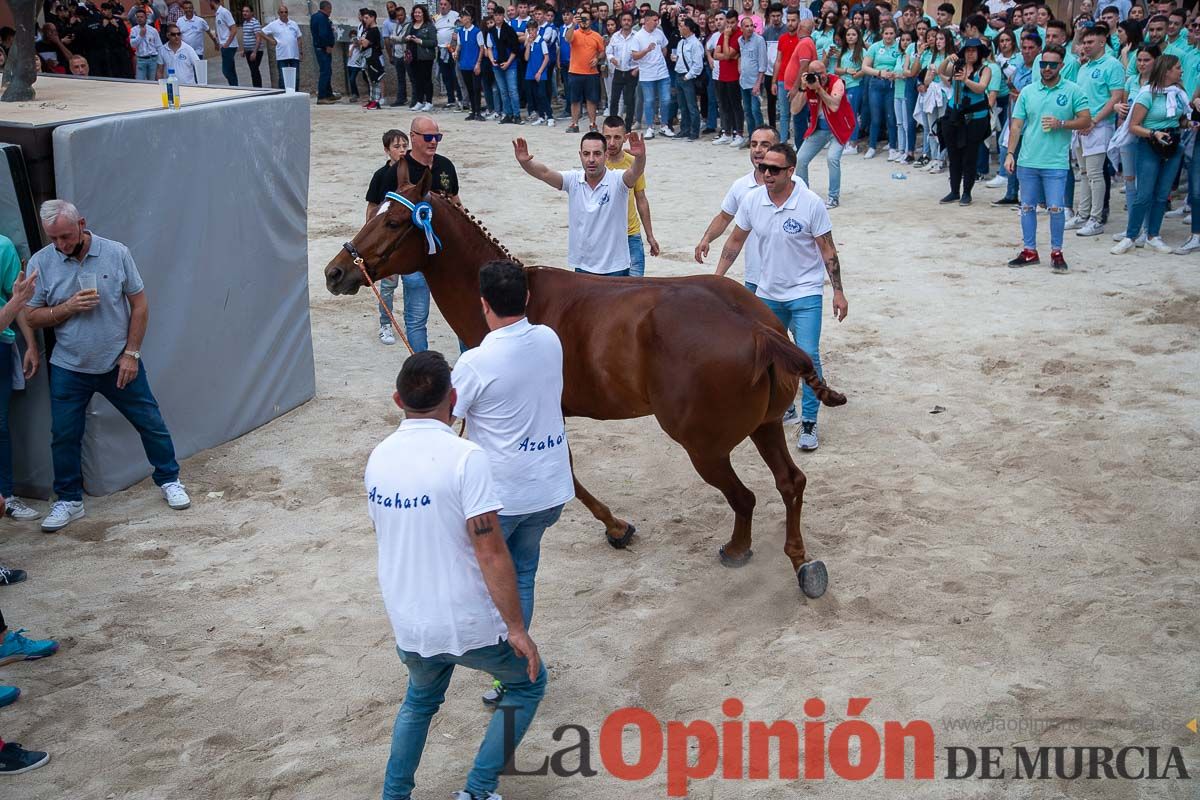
(471, 219)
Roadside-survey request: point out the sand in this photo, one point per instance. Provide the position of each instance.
(1029, 554)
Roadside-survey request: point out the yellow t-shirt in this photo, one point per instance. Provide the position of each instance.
(625, 162)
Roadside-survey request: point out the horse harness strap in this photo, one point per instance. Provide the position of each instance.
(362, 267)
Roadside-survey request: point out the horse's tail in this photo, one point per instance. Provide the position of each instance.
(772, 348)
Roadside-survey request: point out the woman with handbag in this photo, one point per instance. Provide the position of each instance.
(1155, 118)
(966, 124)
(420, 38)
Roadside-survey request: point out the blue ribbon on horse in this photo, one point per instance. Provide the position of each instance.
(422, 217)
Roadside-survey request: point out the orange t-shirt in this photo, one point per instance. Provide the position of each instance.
(586, 46)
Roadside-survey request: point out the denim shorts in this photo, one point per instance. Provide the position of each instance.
(583, 88)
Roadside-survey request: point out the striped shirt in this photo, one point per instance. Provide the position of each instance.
(250, 34)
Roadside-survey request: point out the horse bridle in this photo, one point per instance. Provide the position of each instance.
(422, 218)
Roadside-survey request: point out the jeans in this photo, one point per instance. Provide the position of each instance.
(416, 310)
(1154, 178)
(710, 92)
(752, 108)
(352, 80)
(657, 94)
(523, 533)
(908, 120)
(637, 255)
(254, 62)
(229, 65)
(449, 75)
(813, 145)
(428, 678)
(1193, 185)
(800, 126)
(387, 290)
(506, 80)
(147, 68)
(1042, 186)
(854, 95)
(689, 110)
(70, 393)
(621, 273)
(324, 74)
(785, 113)
(6, 452)
(879, 97)
(903, 144)
(624, 86)
(803, 318)
(288, 62)
(401, 83)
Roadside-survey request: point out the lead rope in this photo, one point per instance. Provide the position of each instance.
(358, 262)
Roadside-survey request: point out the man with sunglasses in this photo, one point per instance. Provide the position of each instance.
(178, 55)
(1054, 107)
(794, 238)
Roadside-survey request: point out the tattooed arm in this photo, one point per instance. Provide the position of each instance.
(834, 267)
(501, 578)
(733, 246)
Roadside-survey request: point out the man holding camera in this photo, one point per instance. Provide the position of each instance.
(830, 123)
(583, 74)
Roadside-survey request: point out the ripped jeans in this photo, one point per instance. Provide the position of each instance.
(1038, 186)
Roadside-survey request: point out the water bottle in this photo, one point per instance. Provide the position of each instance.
(899, 176)
(173, 99)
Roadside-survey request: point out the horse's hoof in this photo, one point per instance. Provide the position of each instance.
(622, 542)
(813, 578)
(730, 561)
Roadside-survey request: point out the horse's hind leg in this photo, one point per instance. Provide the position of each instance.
(773, 447)
(616, 530)
(718, 472)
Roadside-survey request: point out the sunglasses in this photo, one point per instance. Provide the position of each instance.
(430, 137)
(176, 33)
(1050, 64)
(1194, 25)
(770, 169)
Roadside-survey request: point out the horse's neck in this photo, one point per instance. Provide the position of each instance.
(453, 274)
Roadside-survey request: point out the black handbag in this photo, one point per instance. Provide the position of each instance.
(1167, 149)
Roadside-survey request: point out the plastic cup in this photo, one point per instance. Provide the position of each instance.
(289, 79)
(202, 72)
(162, 89)
(87, 281)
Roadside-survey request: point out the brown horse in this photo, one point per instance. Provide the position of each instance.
(702, 354)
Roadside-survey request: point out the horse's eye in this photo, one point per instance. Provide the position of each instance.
(392, 225)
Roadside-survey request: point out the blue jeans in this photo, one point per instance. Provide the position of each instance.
(752, 108)
(879, 97)
(854, 94)
(785, 112)
(800, 126)
(147, 68)
(506, 81)
(713, 103)
(689, 109)
(657, 93)
(910, 120)
(1042, 186)
(1193, 184)
(621, 273)
(229, 65)
(387, 290)
(416, 310)
(523, 533)
(1155, 175)
(803, 318)
(287, 62)
(324, 73)
(428, 678)
(6, 453)
(637, 255)
(822, 138)
(70, 393)
(902, 143)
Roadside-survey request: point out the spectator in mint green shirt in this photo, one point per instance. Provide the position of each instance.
(1103, 81)
(1053, 109)
(882, 63)
(14, 294)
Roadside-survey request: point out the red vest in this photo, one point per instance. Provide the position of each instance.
(841, 122)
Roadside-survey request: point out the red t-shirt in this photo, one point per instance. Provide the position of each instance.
(727, 69)
(787, 43)
(805, 49)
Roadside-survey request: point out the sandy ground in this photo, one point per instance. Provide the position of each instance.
(1030, 554)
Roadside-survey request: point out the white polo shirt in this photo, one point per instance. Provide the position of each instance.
(510, 394)
(287, 38)
(423, 484)
(192, 32)
(597, 222)
(225, 24)
(183, 61)
(733, 199)
(653, 65)
(791, 263)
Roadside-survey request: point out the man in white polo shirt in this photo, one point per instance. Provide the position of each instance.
(510, 394)
(285, 35)
(447, 579)
(795, 247)
(598, 197)
(192, 28)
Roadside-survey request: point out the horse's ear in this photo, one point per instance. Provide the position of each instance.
(402, 181)
(425, 184)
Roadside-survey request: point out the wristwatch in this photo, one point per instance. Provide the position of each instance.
(136, 355)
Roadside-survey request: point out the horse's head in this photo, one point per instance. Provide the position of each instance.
(397, 240)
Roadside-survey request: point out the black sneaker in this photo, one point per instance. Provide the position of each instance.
(965, 200)
(10, 576)
(1058, 264)
(494, 695)
(950, 198)
(1025, 258)
(14, 759)
(1006, 201)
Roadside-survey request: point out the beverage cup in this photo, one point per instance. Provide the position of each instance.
(87, 282)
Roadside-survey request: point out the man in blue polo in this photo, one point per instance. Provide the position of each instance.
(1103, 81)
(90, 292)
(1045, 115)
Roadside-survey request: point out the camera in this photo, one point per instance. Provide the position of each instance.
(810, 78)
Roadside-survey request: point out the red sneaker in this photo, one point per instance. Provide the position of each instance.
(1025, 258)
(367, 104)
(1057, 263)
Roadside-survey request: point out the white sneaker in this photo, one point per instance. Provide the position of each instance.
(176, 496)
(1123, 247)
(427, 107)
(550, 122)
(870, 153)
(1190, 246)
(467, 796)
(386, 334)
(649, 134)
(539, 121)
(1118, 236)
(1091, 228)
(1178, 213)
(62, 514)
(1158, 245)
(23, 513)
(895, 155)
(808, 435)
(415, 107)
(722, 139)
(850, 150)
(667, 132)
(1140, 241)
(737, 142)
(1074, 223)
(939, 167)
(998, 182)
